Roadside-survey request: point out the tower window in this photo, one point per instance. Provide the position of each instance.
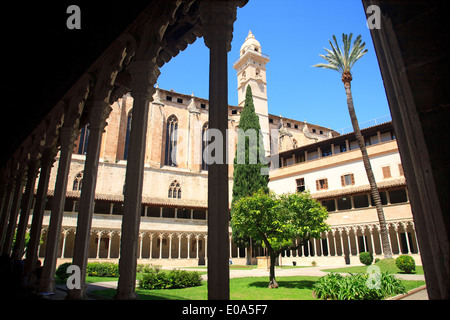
(204, 145)
(234, 111)
(202, 105)
(77, 182)
(179, 100)
(168, 98)
(84, 139)
(127, 135)
(171, 141)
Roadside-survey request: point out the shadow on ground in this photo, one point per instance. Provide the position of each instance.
(303, 284)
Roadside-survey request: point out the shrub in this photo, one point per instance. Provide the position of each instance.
(102, 269)
(172, 280)
(366, 258)
(357, 287)
(406, 263)
(61, 271)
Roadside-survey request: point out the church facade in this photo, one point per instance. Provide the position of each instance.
(173, 227)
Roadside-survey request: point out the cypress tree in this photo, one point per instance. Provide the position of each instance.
(247, 177)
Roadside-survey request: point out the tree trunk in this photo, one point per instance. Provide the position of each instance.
(273, 283)
(373, 185)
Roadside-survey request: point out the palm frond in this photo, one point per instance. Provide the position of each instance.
(342, 60)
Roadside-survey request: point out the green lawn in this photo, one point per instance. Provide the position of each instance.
(248, 288)
(386, 265)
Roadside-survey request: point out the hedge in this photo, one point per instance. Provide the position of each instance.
(174, 279)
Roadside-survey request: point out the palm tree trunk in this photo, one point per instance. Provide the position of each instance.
(373, 185)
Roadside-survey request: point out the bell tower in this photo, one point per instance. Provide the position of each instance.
(251, 70)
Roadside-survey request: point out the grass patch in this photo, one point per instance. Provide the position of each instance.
(386, 265)
(248, 288)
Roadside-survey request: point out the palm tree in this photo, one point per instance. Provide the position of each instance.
(342, 62)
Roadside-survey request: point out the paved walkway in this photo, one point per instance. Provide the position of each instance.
(418, 294)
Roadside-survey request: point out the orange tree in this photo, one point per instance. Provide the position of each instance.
(283, 222)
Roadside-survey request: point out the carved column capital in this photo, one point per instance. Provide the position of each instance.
(217, 18)
(144, 75)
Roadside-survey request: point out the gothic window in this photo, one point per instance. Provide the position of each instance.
(84, 138)
(127, 136)
(78, 181)
(204, 144)
(174, 190)
(171, 142)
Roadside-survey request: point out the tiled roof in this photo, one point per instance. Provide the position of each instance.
(391, 183)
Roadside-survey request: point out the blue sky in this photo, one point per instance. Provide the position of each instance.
(293, 33)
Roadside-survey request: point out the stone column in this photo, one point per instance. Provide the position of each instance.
(98, 113)
(206, 248)
(63, 251)
(229, 240)
(342, 242)
(6, 208)
(333, 232)
(67, 137)
(405, 227)
(349, 243)
(398, 239)
(17, 197)
(355, 232)
(371, 238)
(99, 237)
(161, 235)
(328, 244)
(217, 18)
(151, 245)
(179, 245)
(170, 245)
(188, 239)
(48, 158)
(109, 244)
(197, 236)
(26, 207)
(144, 75)
(141, 237)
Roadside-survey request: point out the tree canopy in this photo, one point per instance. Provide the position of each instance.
(247, 174)
(282, 222)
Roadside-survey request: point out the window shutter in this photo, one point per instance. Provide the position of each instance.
(353, 179)
(400, 169)
(386, 172)
(343, 181)
(317, 185)
(325, 184)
